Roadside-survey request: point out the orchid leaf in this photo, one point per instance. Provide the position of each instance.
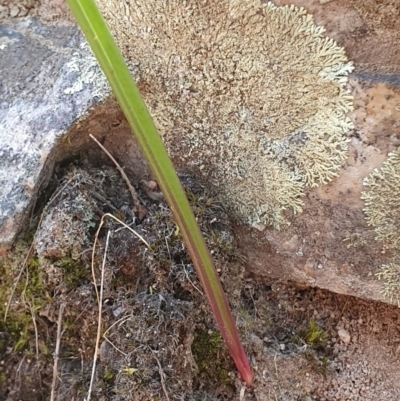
(113, 65)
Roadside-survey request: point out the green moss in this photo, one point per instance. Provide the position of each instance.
(108, 375)
(315, 354)
(17, 326)
(314, 335)
(210, 355)
(199, 203)
(221, 245)
(73, 272)
(246, 320)
(29, 297)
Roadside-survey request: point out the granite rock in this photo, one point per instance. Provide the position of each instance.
(48, 79)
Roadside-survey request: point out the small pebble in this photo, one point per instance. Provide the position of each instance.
(344, 336)
(118, 311)
(152, 185)
(14, 11)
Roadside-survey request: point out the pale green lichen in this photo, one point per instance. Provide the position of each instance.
(382, 211)
(382, 201)
(390, 276)
(250, 94)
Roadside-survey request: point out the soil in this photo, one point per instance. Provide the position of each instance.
(158, 339)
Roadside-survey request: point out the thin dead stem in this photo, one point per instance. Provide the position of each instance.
(129, 228)
(57, 352)
(121, 170)
(120, 321)
(100, 303)
(114, 346)
(191, 282)
(96, 239)
(36, 330)
(19, 278)
(161, 375)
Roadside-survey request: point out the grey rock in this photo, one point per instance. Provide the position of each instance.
(48, 79)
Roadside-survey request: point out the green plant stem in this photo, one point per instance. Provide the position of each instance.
(135, 110)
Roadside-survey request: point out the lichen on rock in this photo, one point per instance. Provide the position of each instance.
(390, 275)
(250, 94)
(382, 211)
(382, 201)
(68, 219)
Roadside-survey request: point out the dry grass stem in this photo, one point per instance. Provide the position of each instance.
(36, 331)
(97, 236)
(100, 303)
(120, 321)
(121, 170)
(115, 347)
(17, 281)
(57, 352)
(129, 228)
(161, 375)
(191, 282)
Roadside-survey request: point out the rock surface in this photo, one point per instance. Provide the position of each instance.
(49, 80)
(330, 244)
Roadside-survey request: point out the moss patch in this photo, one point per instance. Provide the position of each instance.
(211, 358)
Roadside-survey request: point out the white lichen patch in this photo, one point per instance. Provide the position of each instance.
(88, 73)
(390, 276)
(382, 201)
(252, 94)
(382, 211)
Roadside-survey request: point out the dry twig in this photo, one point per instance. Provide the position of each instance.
(121, 170)
(120, 321)
(36, 330)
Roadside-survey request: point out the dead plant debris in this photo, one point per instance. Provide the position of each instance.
(158, 339)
